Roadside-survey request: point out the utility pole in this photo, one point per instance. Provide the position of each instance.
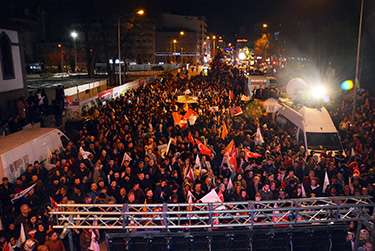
(119, 50)
(357, 61)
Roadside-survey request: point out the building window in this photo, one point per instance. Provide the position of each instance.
(6, 57)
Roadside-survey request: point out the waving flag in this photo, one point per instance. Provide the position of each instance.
(83, 153)
(231, 95)
(190, 116)
(326, 182)
(236, 111)
(126, 158)
(179, 120)
(251, 155)
(203, 149)
(191, 139)
(229, 148)
(258, 137)
(229, 185)
(224, 131)
(230, 156)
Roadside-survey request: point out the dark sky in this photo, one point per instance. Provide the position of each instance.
(328, 27)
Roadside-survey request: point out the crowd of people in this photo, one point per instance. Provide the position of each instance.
(118, 158)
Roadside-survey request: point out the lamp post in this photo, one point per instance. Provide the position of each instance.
(358, 57)
(182, 33)
(61, 56)
(74, 36)
(214, 45)
(139, 12)
(174, 43)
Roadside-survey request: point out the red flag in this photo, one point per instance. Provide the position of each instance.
(203, 149)
(224, 131)
(53, 203)
(236, 111)
(179, 120)
(231, 95)
(190, 175)
(230, 155)
(191, 139)
(229, 148)
(251, 155)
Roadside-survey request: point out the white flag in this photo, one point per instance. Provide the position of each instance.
(258, 137)
(230, 185)
(326, 182)
(83, 153)
(211, 197)
(94, 245)
(190, 197)
(198, 162)
(303, 192)
(22, 237)
(126, 158)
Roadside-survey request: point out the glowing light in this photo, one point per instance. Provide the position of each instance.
(265, 25)
(174, 41)
(74, 34)
(140, 12)
(319, 92)
(241, 56)
(182, 33)
(347, 85)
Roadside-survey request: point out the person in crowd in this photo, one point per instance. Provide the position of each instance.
(119, 156)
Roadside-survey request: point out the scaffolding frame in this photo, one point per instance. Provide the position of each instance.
(134, 220)
(131, 217)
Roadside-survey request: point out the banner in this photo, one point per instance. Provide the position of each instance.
(23, 193)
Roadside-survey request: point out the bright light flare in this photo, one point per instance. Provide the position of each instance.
(74, 34)
(347, 85)
(241, 56)
(319, 92)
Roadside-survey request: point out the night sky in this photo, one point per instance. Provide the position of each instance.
(316, 27)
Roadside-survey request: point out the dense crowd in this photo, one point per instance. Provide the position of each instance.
(118, 158)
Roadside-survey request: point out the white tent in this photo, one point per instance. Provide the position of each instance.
(271, 105)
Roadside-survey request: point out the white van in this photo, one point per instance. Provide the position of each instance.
(314, 127)
(22, 148)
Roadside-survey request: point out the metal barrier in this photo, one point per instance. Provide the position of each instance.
(126, 222)
(130, 217)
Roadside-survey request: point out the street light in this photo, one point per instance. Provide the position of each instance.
(265, 26)
(182, 33)
(140, 12)
(74, 36)
(61, 56)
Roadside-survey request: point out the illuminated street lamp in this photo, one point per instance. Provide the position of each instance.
(61, 56)
(182, 33)
(140, 12)
(265, 26)
(74, 36)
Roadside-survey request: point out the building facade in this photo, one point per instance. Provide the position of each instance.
(180, 39)
(12, 83)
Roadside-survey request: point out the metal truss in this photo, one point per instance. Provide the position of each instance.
(200, 216)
